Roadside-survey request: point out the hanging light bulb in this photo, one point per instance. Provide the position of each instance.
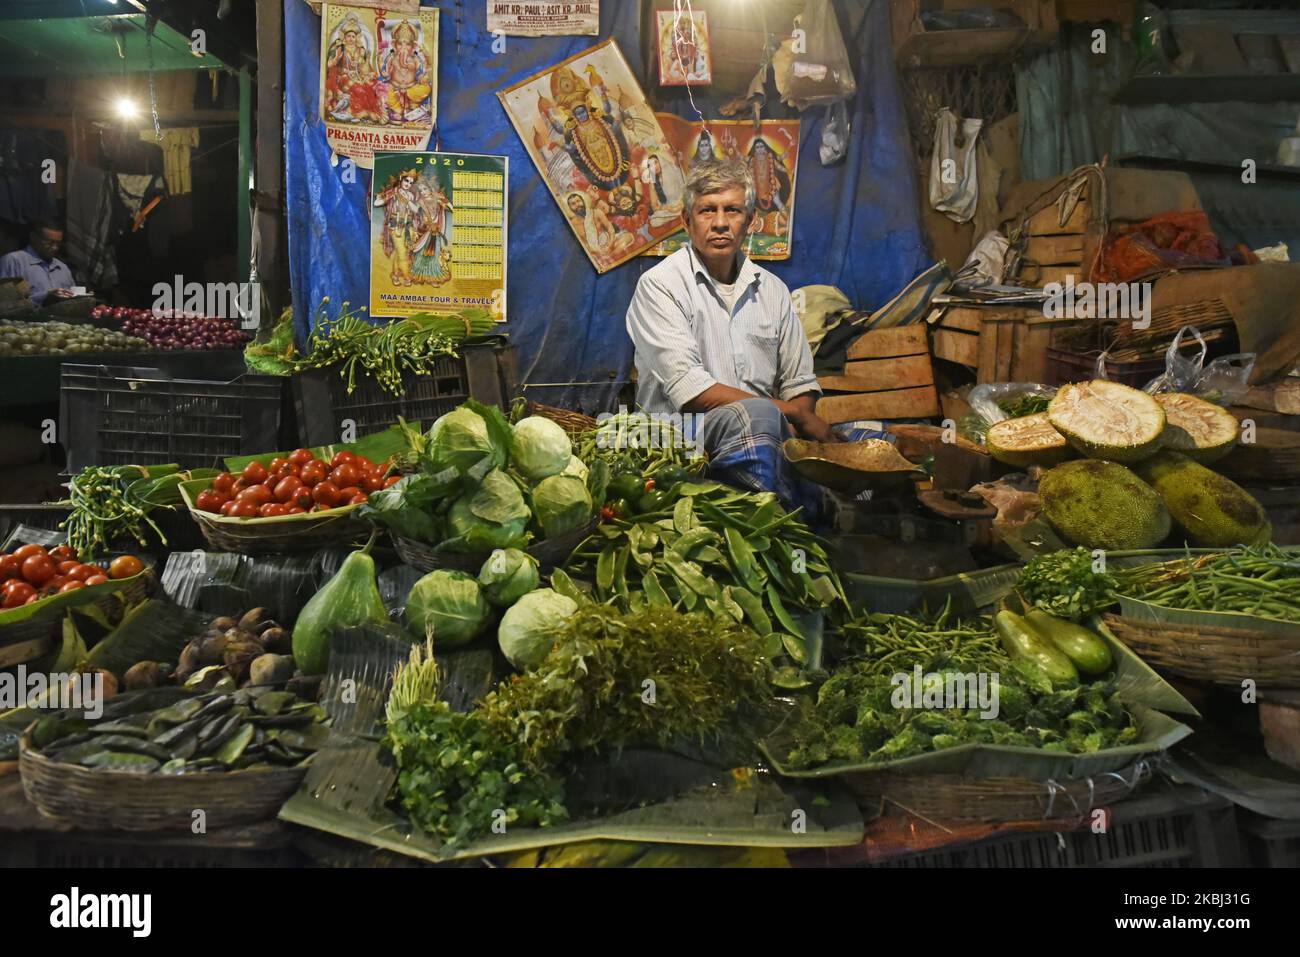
(126, 108)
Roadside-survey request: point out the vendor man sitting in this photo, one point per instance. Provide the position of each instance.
(50, 279)
(717, 334)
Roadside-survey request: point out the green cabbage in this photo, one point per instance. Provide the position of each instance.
(449, 606)
(577, 468)
(458, 440)
(561, 504)
(507, 575)
(529, 627)
(540, 448)
(494, 515)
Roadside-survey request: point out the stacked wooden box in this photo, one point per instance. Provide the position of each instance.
(1001, 343)
(887, 375)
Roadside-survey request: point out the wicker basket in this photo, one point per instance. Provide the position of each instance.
(1217, 654)
(574, 423)
(953, 797)
(271, 536)
(549, 553)
(97, 799)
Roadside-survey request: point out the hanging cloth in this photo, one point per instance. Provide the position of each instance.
(176, 145)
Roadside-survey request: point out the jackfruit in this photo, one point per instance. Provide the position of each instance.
(1213, 511)
(1106, 420)
(1102, 505)
(1028, 440)
(1201, 430)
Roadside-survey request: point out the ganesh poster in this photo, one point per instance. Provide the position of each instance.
(378, 80)
(438, 234)
(771, 152)
(601, 152)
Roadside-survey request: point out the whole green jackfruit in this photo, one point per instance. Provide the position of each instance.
(1213, 511)
(1103, 505)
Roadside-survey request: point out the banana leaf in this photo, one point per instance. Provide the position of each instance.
(1196, 620)
(629, 854)
(377, 446)
(1139, 687)
(154, 630)
(58, 603)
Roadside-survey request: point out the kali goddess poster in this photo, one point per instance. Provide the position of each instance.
(601, 152)
(771, 152)
(378, 80)
(438, 234)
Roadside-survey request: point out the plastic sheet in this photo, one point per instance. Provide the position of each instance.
(222, 583)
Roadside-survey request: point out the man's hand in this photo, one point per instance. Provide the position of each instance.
(54, 295)
(816, 429)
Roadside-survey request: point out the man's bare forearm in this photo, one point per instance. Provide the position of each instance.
(715, 397)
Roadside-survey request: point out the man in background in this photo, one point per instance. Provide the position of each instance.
(50, 279)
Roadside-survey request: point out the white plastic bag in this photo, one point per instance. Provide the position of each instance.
(819, 72)
(985, 399)
(954, 181)
(1225, 380)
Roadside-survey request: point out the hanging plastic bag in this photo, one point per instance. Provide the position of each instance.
(819, 71)
(1225, 380)
(954, 182)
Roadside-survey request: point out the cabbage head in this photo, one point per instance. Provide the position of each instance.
(561, 504)
(448, 605)
(577, 468)
(494, 515)
(540, 448)
(530, 626)
(508, 575)
(457, 440)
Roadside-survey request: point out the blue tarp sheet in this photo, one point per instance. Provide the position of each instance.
(857, 224)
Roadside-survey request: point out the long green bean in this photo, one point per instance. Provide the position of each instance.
(1260, 580)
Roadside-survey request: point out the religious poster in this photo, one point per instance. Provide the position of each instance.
(437, 234)
(684, 55)
(772, 154)
(543, 18)
(599, 148)
(378, 80)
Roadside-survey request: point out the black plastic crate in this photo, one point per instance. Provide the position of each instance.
(115, 415)
(1177, 827)
(324, 408)
(1270, 842)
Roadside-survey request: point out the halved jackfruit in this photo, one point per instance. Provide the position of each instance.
(1201, 430)
(1106, 420)
(1028, 440)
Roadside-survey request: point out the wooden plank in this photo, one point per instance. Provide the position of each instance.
(956, 346)
(1047, 221)
(961, 317)
(879, 375)
(886, 343)
(1066, 250)
(920, 403)
(1029, 352)
(1040, 276)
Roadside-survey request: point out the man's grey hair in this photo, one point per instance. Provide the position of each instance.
(714, 178)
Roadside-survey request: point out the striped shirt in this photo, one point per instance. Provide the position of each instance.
(42, 276)
(688, 339)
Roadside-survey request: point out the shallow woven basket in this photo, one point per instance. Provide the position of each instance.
(39, 633)
(281, 538)
(550, 553)
(99, 799)
(1213, 653)
(953, 797)
(574, 423)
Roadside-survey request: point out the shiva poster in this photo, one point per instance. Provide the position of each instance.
(771, 151)
(438, 234)
(599, 148)
(378, 80)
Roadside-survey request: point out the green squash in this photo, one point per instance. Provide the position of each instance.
(349, 599)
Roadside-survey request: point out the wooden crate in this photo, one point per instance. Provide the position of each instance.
(914, 45)
(1001, 343)
(887, 375)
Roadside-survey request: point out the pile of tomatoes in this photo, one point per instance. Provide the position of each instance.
(294, 485)
(33, 572)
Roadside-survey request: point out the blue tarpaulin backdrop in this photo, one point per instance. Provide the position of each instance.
(856, 224)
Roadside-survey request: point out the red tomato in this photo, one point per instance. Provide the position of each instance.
(65, 567)
(244, 509)
(96, 579)
(82, 572)
(254, 472)
(301, 456)
(268, 510)
(358, 498)
(210, 500)
(287, 489)
(224, 483)
(345, 474)
(35, 598)
(392, 480)
(302, 497)
(11, 566)
(278, 463)
(313, 472)
(27, 551)
(325, 493)
(72, 585)
(62, 553)
(18, 595)
(239, 486)
(372, 482)
(229, 508)
(341, 457)
(345, 494)
(296, 510)
(256, 495)
(363, 464)
(38, 569)
(383, 468)
(124, 566)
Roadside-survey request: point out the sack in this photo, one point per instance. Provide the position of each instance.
(822, 72)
